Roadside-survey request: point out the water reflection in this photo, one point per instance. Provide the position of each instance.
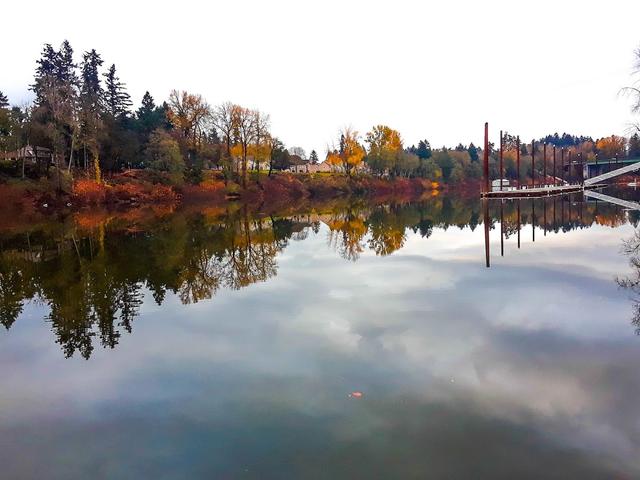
(560, 214)
(529, 365)
(92, 277)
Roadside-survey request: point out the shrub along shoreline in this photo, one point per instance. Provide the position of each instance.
(143, 187)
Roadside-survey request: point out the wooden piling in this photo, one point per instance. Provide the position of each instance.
(486, 156)
(518, 159)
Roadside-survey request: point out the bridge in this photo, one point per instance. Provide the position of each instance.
(633, 164)
(615, 200)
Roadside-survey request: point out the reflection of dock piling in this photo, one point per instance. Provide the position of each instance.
(485, 207)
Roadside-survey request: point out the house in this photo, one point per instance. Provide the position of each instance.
(29, 154)
(297, 164)
(320, 167)
(300, 165)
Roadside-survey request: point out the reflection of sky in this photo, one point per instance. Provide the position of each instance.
(523, 370)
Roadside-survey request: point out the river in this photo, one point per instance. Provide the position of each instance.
(352, 340)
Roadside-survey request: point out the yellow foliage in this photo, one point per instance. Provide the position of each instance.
(609, 147)
(350, 153)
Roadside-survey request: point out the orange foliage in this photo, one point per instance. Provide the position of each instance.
(89, 192)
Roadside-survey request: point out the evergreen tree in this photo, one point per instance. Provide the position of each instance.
(65, 67)
(424, 149)
(634, 146)
(150, 116)
(473, 152)
(55, 112)
(4, 101)
(313, 158)
(91, 102)
(116, 99)
(147, 106)
(45, 75)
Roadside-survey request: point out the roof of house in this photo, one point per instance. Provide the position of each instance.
(297, 160)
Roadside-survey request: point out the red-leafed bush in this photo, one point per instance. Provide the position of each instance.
(163, 194)
(89, 192)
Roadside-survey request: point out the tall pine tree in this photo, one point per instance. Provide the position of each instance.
(4, 101)
(634, 146)
(91, 96)
(55, 87)
(116, 99)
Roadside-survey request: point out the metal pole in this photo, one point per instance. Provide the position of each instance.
(569, 167)
(501, 163)
(554, 165)
(533, 164)
(486, 157)
(544, 163)
(562, 164)
(518, 159)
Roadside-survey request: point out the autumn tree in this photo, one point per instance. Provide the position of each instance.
(224, 119)
(262, 147)
(190, 116)
(188, 113)
(245, 129)
(610, 147)
(349, 154)
(385, 149)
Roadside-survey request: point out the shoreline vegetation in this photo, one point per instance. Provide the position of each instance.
(81, 144)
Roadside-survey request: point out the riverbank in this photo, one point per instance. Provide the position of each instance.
(138, 191)
(143, 187)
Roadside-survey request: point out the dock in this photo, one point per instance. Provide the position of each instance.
(546, 184)
(543, 191)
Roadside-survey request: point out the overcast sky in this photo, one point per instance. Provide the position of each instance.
(435, 70)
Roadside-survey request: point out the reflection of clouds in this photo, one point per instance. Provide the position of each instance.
(540, 369)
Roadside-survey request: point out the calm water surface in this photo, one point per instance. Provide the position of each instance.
(212, 344)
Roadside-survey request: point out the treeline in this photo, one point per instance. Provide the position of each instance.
(83, 117)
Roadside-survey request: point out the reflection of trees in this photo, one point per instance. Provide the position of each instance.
(631, 247)
(14, 288)
(387, 230)
(93, 280)
(346, 235)
(93, 285)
